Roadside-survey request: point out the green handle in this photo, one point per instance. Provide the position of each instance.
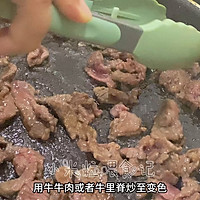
(96, 31)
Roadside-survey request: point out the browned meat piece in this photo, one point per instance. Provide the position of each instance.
(134, 95)
(114, 96)
(127, 78)
(36, 118)
(7, 72)
(119, 64)
(130, 69)
(157, 150)
(86, 107)
(64, 175)
(4, 90)
(28, 165)
(167, 124)
(191, 94)
(195, 70)
(106, 152)
(7, 106)
(4, 60)
(184, 165)
(28, 158)
(177, 166)
(84, 144)
(98, 71)
(115, 54)
(174, 80)
(132, 154)
(117, 109)
(95, 58)
(128, 124)
(75, 111)
(103, 152)
(180, 83)
(26, 193)
(38, 56)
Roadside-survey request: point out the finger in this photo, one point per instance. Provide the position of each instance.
(28, 28)
(76, 10)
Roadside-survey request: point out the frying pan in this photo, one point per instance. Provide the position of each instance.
(64, 73)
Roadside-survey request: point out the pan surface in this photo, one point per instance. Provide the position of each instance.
(64, 73)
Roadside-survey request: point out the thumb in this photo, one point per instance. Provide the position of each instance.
(76, 10)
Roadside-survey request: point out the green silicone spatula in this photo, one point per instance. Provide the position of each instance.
(136, 26)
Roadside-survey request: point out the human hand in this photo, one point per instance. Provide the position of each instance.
(32, 23)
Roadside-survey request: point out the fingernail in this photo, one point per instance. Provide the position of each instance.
(85, 13)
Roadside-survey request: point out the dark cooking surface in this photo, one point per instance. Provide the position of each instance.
(64, 74)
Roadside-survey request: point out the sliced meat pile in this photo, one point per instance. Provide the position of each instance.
(38, 56)
(163, 146)
(123, 69)
(28, 165)
(127, 124)
(36, 118)
(164, 139)
(180, 83)
(121, 73)
(7, 107)
(178, 166)
(76, 111)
